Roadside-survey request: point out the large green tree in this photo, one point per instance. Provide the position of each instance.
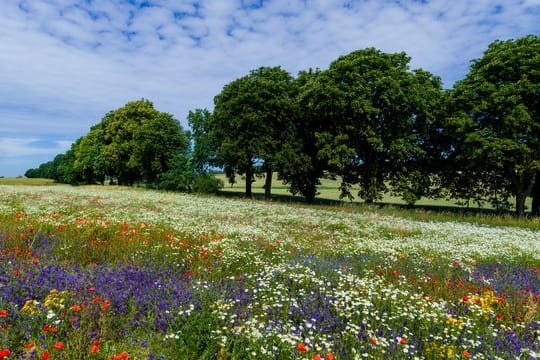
(499, 106)
(139, 142)
(299, 164)
(381, 114)
(252, 121)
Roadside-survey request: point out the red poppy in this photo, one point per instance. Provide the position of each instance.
(403, 341)
(4, 353)
(301, 347)
(122, 356)
(35, 261)
(76, 308)
(373, 340)
(94, 349)
(59, 345)
(46, 355)
(317, 357)
(46, 328)
(329, 356)
(466, 354)
(3, 313)
(105, 305)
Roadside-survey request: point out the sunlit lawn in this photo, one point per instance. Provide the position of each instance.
(107, 273)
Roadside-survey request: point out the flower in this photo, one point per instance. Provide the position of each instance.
(59, 345)
(301, 347)
(373, 340)
(105, 305)
(466, 354)
(3, 313)
(76, 308)
(330, 356)
(46, 355)
(317, 357)
(403, 341)
(4, 353)
(94, 349)
(46, 328)
(122, 356)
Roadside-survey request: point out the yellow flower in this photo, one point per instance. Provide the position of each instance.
(30, 307)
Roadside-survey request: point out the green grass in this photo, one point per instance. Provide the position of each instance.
(25, 181)
(424, 210)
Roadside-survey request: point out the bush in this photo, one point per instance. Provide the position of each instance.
(206, 184)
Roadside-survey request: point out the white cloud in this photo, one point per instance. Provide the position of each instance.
(65, 63)
(24, 147)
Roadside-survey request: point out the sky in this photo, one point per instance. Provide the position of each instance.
(65, 63)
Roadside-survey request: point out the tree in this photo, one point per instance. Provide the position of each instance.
(139, 142)
(88, 157)
(499, 103)
(204, 153)
(380, 112)
(299, 163)
(251, 122)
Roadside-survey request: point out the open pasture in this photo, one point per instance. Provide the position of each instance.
(109, 273)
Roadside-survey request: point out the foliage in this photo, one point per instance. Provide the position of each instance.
(206, 184)
(139, 142)
(251, 122)
(500, 117)
(204, 153)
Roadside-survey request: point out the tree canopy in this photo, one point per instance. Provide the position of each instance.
(499, 106)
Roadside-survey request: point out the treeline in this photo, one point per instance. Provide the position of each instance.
(368, 120)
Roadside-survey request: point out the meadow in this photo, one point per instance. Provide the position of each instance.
(115, 273)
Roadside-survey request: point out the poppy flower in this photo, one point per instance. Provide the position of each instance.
(317, 357)
(329, 356)
(466, 354)
(373, 340)
(301, 347)
(4, 353)
(46, 355)
(105, 305)
(403, 341)
(46, 328)
(3, 313)
(59, 345)
(76, 308)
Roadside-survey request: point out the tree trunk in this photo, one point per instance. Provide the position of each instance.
(535, 208)
(249, 181)
(522, 192)
(268, 185)
(520, 204)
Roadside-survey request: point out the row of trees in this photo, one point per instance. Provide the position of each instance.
(368, 120)
(133, 144)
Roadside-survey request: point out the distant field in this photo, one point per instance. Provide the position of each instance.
(25, 181)
(329, 190)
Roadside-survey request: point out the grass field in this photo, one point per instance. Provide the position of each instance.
(115, 273)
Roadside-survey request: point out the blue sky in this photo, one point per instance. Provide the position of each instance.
(65, 63)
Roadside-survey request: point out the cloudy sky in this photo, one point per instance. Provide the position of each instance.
(65, 63)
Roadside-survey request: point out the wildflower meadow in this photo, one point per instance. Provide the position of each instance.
(117, 273)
